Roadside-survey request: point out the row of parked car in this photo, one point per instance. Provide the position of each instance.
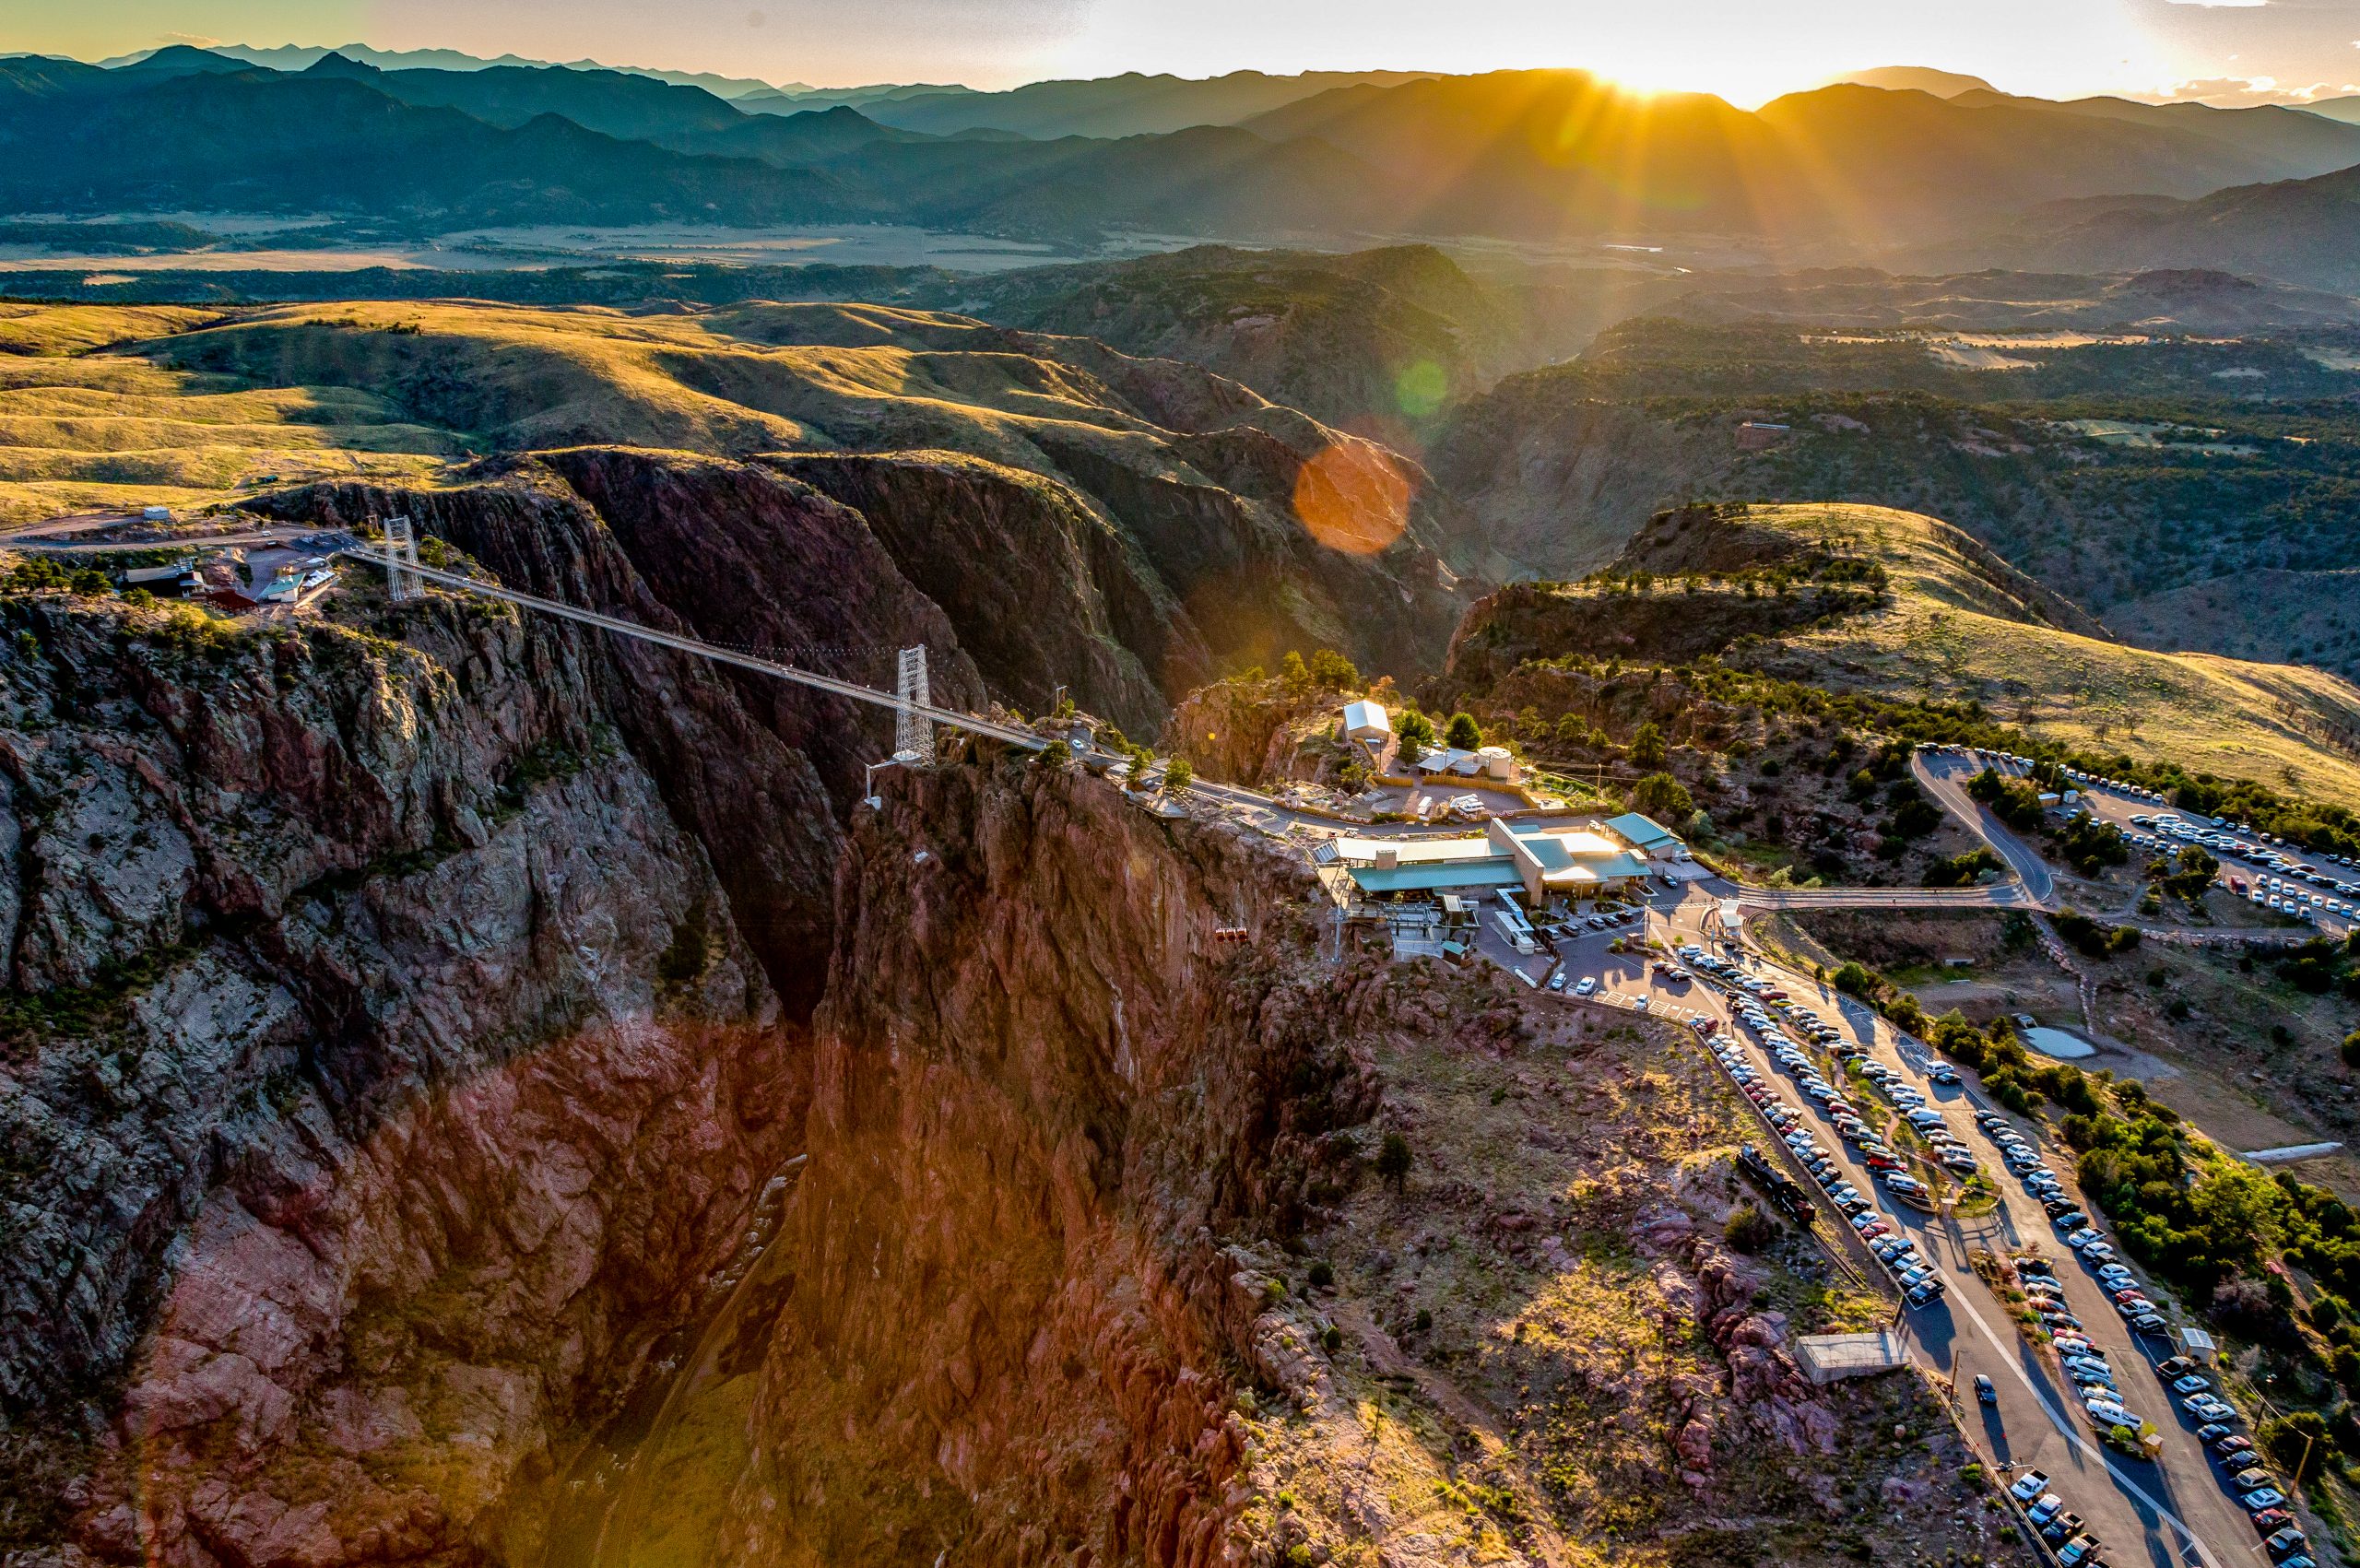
(2260, 1493)
(1919, 1282)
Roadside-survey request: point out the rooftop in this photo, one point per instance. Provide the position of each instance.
(1642, 833)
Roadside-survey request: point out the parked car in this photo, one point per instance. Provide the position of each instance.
(1983, 1392)
(2260, 1498)
(1588, 986)
(2029, 1485)
(2286, 1540)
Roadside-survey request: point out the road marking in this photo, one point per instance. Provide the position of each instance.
(2065, 1429)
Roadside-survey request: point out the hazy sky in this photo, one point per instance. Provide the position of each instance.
(1745, 50)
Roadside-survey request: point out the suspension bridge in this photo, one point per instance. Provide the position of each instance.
(914, 713)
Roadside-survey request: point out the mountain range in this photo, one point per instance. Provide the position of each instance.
(1532, 155)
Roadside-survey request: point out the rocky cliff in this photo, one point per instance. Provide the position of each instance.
(384, 1072)
(1167, 522)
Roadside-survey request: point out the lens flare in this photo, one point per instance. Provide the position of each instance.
(1421, 388)
(1352, 498)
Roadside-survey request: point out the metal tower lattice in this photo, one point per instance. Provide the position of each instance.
(912, 731)
(401, 549)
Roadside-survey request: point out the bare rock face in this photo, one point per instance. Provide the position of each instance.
(1046, 592)
(728, 553)
(1043, 1091)
(382, 1071)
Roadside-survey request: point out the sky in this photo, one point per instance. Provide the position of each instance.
(1747, 50)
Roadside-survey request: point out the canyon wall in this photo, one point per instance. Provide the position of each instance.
(1047, 1101)
(382, 1071)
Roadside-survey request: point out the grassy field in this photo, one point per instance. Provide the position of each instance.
(1952, 631)
(87, 423)
(105, 408)
(756, 378)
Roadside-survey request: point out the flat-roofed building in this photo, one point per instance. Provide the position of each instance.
(1545, 861)
(1365, 721)
(1647, 836)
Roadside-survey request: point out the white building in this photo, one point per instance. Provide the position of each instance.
(1366, 721)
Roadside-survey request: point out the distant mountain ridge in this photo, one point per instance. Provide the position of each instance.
(1838, 173)
(2299, 231)
(298, 57)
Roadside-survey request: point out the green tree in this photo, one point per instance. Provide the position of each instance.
(1646, 747)
(1293, 672)
(1663, 797)
(1055, 755)
(1178, 774)
(1464, 733)
(1334, 672)
(1393, 1161)
(1417, 733)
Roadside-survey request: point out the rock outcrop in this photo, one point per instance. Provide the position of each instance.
(384, 1072)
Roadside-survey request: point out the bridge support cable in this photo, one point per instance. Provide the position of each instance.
(905, 707)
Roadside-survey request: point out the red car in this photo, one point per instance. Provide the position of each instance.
(2270, 1520)
(1880, 1162)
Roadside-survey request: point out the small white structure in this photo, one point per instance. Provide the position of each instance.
(1827, 1356)
(1496, 762)
(155, 514)
(1366, 721)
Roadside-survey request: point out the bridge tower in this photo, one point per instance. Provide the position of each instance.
(912, 732)
(401, 549)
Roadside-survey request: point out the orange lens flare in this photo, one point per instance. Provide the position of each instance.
(1352, 498)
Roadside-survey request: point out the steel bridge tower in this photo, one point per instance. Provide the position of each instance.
(912, 732)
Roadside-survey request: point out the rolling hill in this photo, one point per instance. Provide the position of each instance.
(1128, 528)
(1953, 623)
(2298, 231)
(87, 430)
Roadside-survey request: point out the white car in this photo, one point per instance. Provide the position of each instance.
(1588, 987)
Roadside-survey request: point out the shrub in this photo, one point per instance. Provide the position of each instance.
(1178, 774)
(1749, 1230)
(1057, 754)
(1322, 1275)
(2298, 1440)
(2350, 1049)
(1393, 1159)
(1464, 733)
(1331, 1338)
(1647, 748)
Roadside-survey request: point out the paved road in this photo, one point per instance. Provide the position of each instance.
(2137, 1509)
(1945, 776)
(1998, 895)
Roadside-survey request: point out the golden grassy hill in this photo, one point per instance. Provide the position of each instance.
(1954, 628)
(83, 429)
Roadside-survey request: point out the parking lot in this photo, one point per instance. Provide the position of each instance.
(2037, 1421)
(2274, 877)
